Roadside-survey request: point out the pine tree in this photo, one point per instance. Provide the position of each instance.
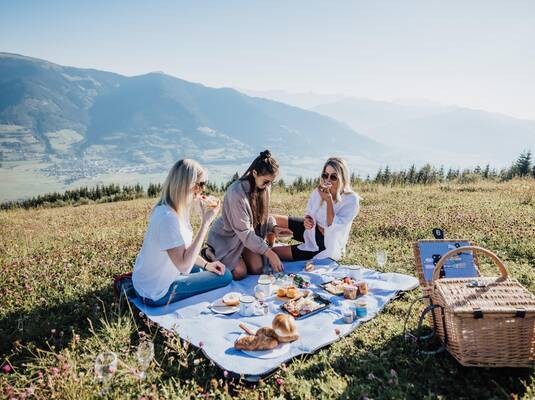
(522, 166)
(486, 172)
(379, 176)
(387, 176)
(411, 175)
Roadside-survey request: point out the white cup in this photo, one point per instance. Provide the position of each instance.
(354, 272)
(263, 287)
(247, 306)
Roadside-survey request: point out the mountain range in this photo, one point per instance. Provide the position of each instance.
(425, 130)
(75, 123)
(62, 126)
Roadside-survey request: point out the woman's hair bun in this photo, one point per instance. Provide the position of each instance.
(265, 154)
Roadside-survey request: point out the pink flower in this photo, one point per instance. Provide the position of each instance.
(6, 368)
(55, 370)
(225, 373)
(39, 374)
(201, 343)
(337, 331)
(279, 381)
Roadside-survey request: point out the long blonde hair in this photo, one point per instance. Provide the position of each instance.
(177, 190)
(340, 167)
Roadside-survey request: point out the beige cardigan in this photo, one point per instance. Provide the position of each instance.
(233, 230)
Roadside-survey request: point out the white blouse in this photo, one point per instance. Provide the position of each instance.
(336, 235)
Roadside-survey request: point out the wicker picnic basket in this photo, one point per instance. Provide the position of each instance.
(426, 284)
(484, 322)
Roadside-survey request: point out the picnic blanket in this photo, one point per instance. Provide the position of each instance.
(215, 334)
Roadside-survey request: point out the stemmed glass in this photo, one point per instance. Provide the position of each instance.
(105, 367)
(144, 354)
(381, 257)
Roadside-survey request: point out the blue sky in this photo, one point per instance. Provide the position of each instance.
(474, 53)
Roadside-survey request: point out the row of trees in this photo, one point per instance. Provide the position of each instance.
(82, 195)
(426, 175)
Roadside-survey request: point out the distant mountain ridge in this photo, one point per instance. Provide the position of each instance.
(53, 113)
(441, 134)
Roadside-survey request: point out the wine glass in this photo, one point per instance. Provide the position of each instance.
(105, 367)
(381, 257)
(144, 354)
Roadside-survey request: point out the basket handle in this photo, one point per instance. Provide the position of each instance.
(475, 249)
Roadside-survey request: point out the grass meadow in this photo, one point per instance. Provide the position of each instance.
(57, 309)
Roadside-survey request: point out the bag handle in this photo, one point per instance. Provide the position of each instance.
(475, 249)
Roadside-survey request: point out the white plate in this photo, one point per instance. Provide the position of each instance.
(219, 307)
(278, 351)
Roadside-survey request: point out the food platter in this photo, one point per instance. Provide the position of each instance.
(305, 306)
(336, 286)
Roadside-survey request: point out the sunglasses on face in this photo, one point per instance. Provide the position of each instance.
(201, 185)
(331, 177)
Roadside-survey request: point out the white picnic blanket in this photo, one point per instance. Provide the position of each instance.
(192, 320)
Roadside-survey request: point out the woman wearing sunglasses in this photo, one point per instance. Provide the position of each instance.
(168, 267)
(331, 208)
(237, 237)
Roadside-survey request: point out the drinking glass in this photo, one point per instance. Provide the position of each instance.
(105, 367)
(144, 354)
(381, 257)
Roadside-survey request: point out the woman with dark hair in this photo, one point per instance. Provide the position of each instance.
(237, 237)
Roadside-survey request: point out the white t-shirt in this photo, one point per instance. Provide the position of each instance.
(154, 271)
(336, 235)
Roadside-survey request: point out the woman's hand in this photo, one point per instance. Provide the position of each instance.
(274, 260)
(278, 230)
(325, 193)
(217, 267)
(308, 222)
(209, 213)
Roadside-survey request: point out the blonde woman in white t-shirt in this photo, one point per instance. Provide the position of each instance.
(169, 267)
(331, 209)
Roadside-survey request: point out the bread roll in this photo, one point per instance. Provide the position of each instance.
(285, 328)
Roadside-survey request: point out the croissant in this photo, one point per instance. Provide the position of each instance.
(263, 339)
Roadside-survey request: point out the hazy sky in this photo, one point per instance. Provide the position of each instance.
(474, 53)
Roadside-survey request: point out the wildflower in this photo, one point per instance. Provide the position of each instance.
(337, 331)
(225, 373)
(40, 374)
(53, 331)
(55, 371)
(201, 344)
(6, 369)
(279, 381)
(371, 376)
(197, 361)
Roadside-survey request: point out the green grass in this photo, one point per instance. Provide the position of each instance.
(57, 310)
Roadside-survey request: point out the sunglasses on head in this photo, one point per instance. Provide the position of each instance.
(331, 177)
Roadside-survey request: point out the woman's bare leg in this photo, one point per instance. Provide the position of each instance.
(253, 261)
(240, 271)
(281, 220)
(284, 252)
